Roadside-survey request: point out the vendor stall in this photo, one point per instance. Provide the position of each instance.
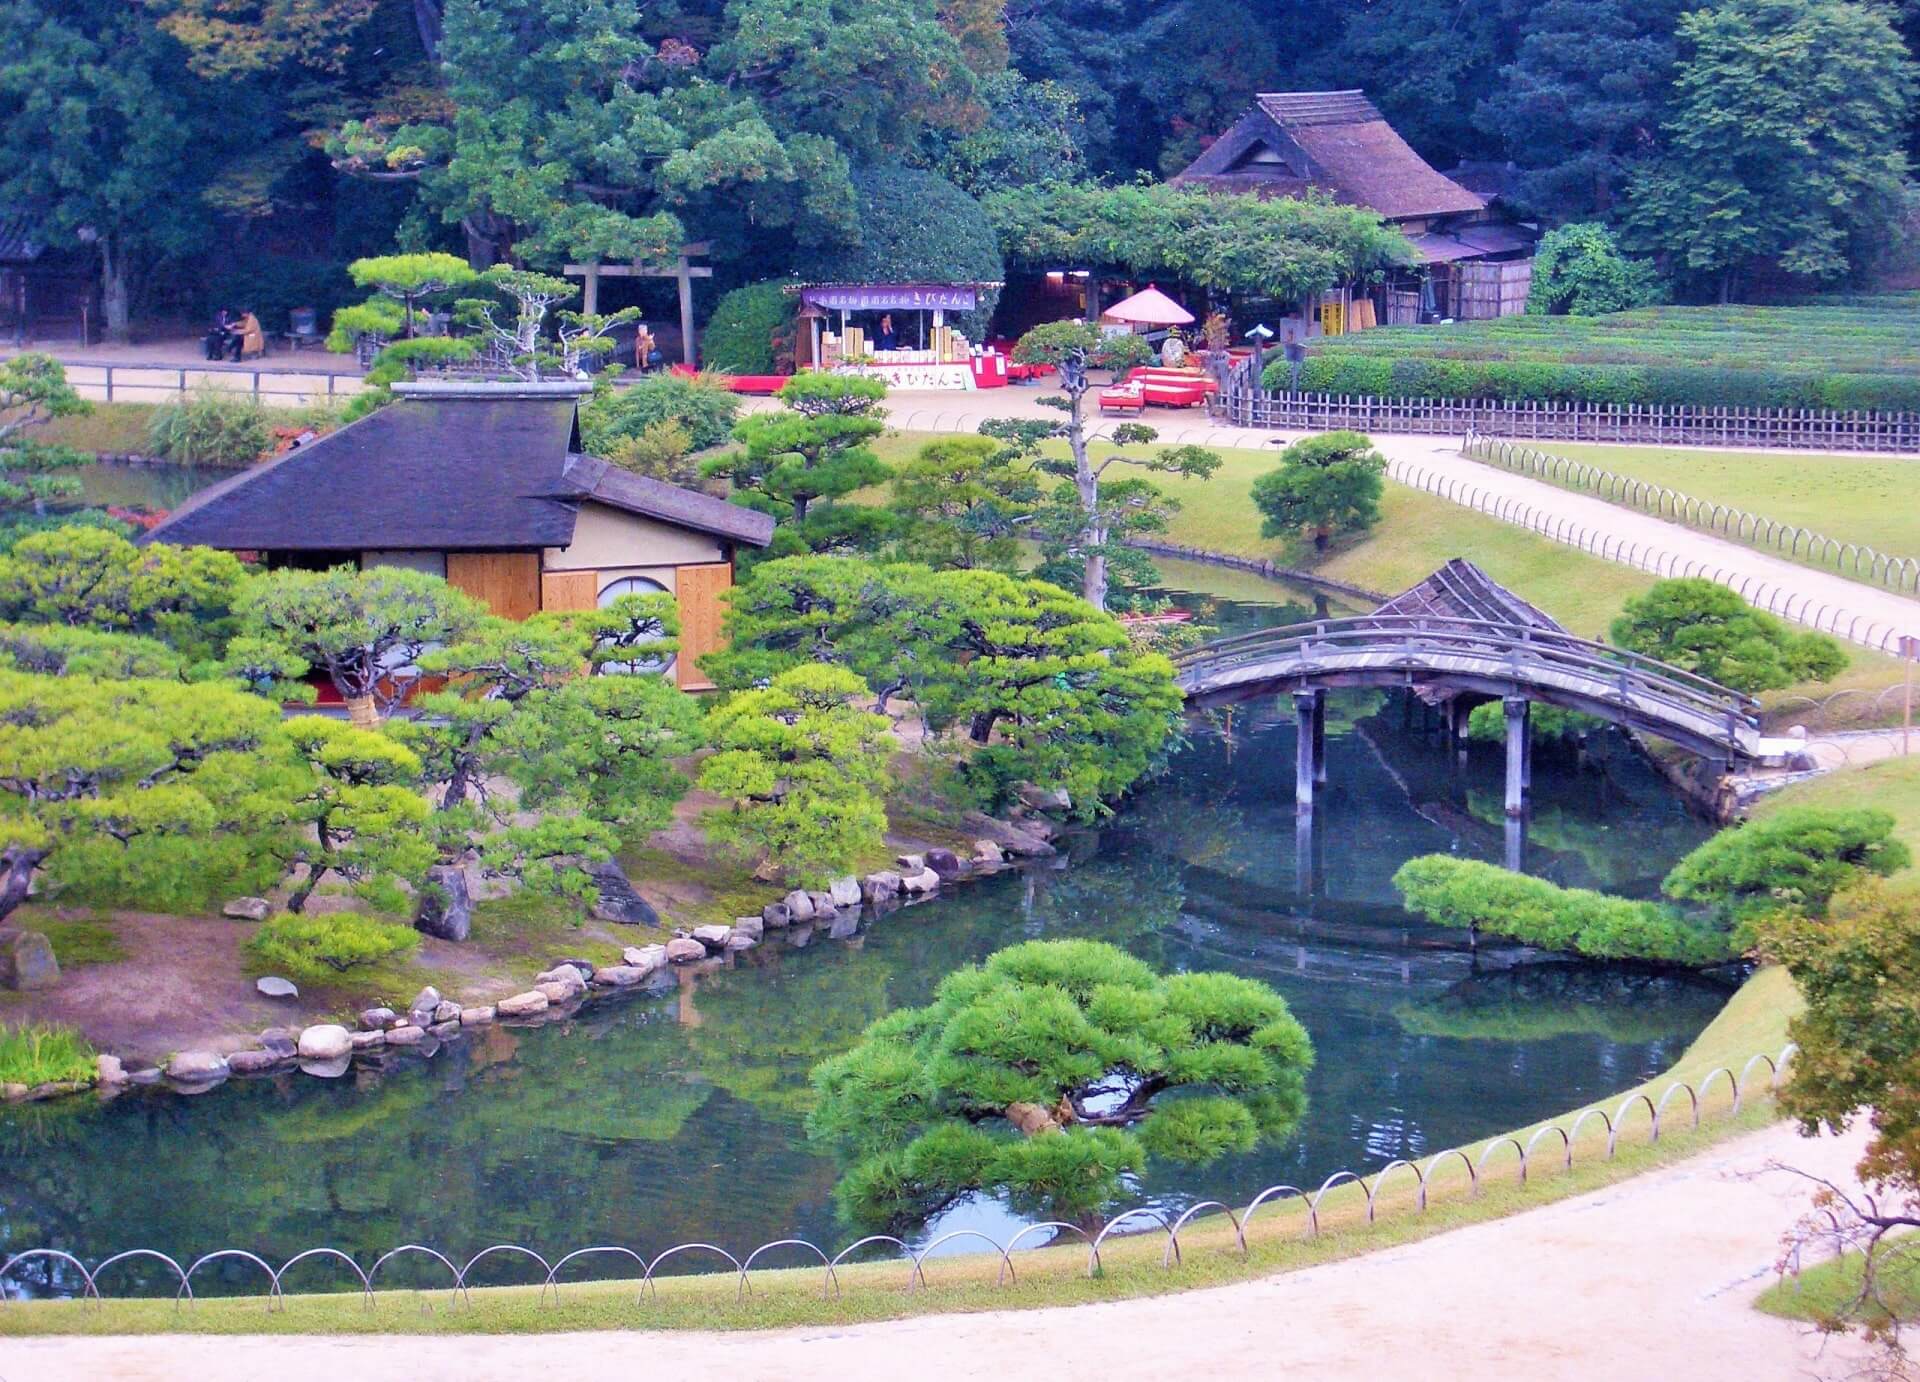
(898, 332)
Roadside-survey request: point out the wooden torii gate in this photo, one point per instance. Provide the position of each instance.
(682, 270)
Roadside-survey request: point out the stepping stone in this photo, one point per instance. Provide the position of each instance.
(273, 986)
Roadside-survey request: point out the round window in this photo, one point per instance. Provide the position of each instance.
(634, 585)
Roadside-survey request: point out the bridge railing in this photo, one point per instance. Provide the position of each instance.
(1628, 673)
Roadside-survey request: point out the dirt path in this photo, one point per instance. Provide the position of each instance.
(1650, 1278)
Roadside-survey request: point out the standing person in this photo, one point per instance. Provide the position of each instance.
(886, 338)
(643, 351)
(214, 344)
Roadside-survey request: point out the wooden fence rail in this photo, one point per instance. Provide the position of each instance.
(108, 382)
(1243, 405)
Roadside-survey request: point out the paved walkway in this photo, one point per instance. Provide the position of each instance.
(1653, 1277)
(1863, 614)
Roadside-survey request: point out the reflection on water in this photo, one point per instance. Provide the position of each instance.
(677, 1115)
(114, 484)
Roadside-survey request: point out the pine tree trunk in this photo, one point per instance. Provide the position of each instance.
(16, 876)
(114, 293)
(1093, 582)
(363, 712)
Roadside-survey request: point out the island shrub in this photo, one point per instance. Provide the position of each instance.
(1579, 270)
(324, 949)
(751, 331)
(34, 1053)
(1703, 627)
(1327, 485)
(700, 404)
(1794, 859)
(209, 426)
(1487, 723)
(1048, 1074)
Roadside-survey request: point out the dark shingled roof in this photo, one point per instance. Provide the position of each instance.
(466, 471)
(1351, 152)
(1461, 590)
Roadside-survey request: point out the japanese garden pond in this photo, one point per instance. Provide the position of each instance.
(676, 1116)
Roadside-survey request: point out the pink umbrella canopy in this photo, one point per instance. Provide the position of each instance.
(1149, 307)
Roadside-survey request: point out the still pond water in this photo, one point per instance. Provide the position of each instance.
(676, 1116)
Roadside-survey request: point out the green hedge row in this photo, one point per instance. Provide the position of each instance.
(1535, 381)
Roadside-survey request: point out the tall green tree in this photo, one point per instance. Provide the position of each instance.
(1704, 627)
(364, 819)
(1326, 484)
(110, 142)
(1049, 1073)
(1582, 99)
(1785, 141)
(963, 503)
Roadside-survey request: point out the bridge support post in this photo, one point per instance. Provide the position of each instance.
(1516, 842)
(1320, 738)
(1516, 708)
(1305, 769)
(1457, 710)
(1303, 852)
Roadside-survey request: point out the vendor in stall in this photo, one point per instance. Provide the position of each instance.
(886, 338)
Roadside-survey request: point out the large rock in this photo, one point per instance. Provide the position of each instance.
(776, 914)
(799, 905)
(197, 1067)
(684, 950)
(1050, 799)
(986, 852)
(565, 978)
(617, 900)
(911, 863)
(280, 1043)
(520, 1005)
(751, 927)
(247, 909)
(377, 1019)
(273, 986)
(446, 1011)
(878, 887)
(252, 1062)
(713, 937)
(945, 863)
(26, 960)
(420, 1011)
(845, 891)
(1030, 841)
(406, 1034)
(823, 904)
(558, 992)
(445, 1031)
(739, 940)
(446, 907)
(619, 976)
(926, 881)
(108, 1071)
(325, 1042)
(369, 1041)
(477, 1017)
(586, 967)
(647, 957)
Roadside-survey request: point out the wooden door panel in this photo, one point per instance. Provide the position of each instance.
(565, 590)
(508, 583)
(697, 591)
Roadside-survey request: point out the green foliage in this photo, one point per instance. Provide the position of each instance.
(1286, 248)
(1033, 133)
(412, 280)
(1487, 723)
(1482, 898)
(1794, 859)
(36, 1053)
(33, 392)
(914, 227)
(210, 427)
(1070, 1042)
(1328, 484)
(816, 447)
(804, 769)
(962, 502)
(363, 818)
(92, 578)
(1859, 1037)
(1703, 627)
(326, 949)
(1842, 353)
(1579, 270)
(662, 451)
(751, 330)
(1033, 683)
(58, 650)
(1783, 140)
(702, 405)
(361, 628)
(135, 786)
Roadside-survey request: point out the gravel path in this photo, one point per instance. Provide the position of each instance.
(1861, 613)
(1653, 1277)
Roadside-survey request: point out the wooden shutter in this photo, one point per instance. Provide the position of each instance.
(698, 590)
(508, 583)
(563, 590)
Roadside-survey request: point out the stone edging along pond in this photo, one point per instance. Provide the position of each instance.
(327, 1050)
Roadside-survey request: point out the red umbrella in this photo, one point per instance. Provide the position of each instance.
(1149, 307)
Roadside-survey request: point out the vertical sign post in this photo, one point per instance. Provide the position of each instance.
(1909, 649)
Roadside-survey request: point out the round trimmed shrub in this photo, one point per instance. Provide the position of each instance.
(915, 227)
(751, 331)
(705, 408)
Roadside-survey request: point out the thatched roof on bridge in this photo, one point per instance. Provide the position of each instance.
(1461, 590)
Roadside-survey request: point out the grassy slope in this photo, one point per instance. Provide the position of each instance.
(1819, 1292)
(1754, 1021)
(1892, 784)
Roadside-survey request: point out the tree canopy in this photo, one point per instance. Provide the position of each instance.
(1328, 484)
(1703, 627)
(1048, 1073)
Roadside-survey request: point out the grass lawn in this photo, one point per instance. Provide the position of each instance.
(1278, 1240)
(1821, 1291)
(1859, 499)
(117, 428)
(1893, 784)
(89, 941)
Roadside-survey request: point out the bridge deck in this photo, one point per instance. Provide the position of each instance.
(1483, 658)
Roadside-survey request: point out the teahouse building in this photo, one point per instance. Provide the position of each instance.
(1474, 260)
(485, 484)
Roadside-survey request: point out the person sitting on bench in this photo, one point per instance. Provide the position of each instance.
(221, 337)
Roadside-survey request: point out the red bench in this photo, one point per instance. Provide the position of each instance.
(1168, 388)
(1123, 398)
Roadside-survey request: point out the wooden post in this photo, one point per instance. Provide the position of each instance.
(1909, 648)
(1457, 727)
(1303, 769)
(684, 277)
(1319, 738)
(590, 287)
(1303, 852)
(1516, 842)
(1516, 708)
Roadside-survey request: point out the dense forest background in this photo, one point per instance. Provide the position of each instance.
(246, 149)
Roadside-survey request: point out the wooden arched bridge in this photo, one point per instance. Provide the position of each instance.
(1502, 649)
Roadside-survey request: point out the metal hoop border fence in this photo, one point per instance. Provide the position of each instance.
(1854, 560)
(1794, 606)
(741, 1269)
